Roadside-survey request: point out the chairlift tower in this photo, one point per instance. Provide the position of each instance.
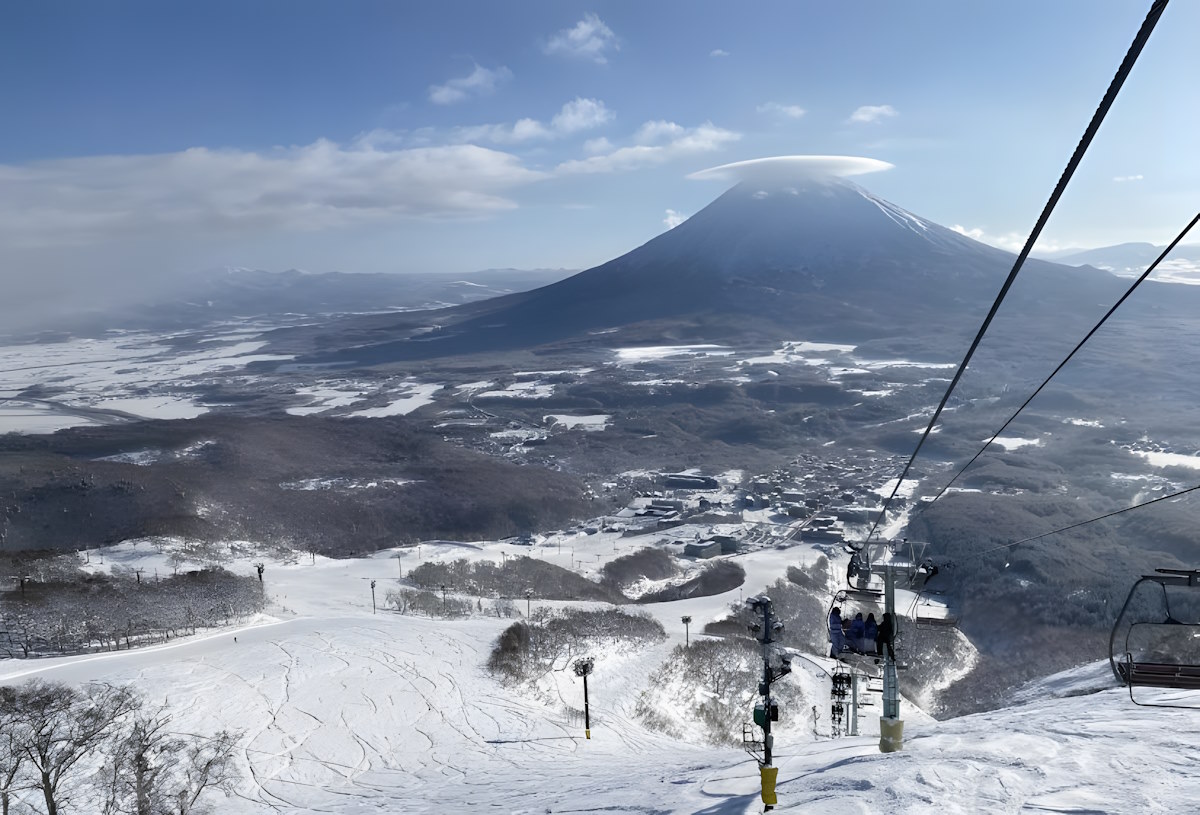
(911, 571)
(767, 710)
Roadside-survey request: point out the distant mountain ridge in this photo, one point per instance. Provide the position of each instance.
(233, 293)
(1132, 259)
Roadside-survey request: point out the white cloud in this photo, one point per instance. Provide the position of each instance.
(873, 113)
(674, 219)
(776, 109)
(1119, 178)
(773, 169)
(599, 145)
(1009, 241)
(587, 39)
(718, 52)
(581, 114)
(656, 142)
(480, 81)
(108, 199)
(657, 131)
(577, 115)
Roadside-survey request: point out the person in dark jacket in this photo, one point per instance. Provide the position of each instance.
(870, 628)
(884, 637)
(837, 637)
(858, 631)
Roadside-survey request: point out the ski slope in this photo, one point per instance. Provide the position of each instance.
(345, 711)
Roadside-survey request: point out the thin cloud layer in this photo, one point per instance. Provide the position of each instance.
(718, 52)
(780, 168)
(323, 185)
(575, 116)
(654, 143)
(674, 219)
(776, 109)
(873, 113)
(588, 39)
(1009, 241)
(477, 83)
(581, 114)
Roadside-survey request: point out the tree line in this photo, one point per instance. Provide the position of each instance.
(100, 749)
(553, 638)
(70, 614)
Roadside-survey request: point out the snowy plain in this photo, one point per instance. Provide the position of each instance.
(348, 711)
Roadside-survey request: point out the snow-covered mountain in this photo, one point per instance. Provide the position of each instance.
(759, 261)
(1131, 259)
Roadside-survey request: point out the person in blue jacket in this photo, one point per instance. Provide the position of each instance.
(837, 637)
(858, 630)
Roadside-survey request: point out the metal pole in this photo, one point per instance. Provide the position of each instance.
(891, 692)
(891, 728)
(373, 597)
(587, 714)
(766, 688)
(854, 704)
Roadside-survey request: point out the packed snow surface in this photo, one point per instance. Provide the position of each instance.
(346, 711)
(595, 421)
(655, 352)
(1160, 459)
(415, 396)
(1013, 442)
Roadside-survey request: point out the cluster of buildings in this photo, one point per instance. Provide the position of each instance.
(819, 505)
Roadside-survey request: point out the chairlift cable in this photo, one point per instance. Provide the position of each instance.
(1135, 49)
(1149, 270)
(1084, 523)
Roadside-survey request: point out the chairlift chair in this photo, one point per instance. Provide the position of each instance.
(930, 609)
(1160, 646)
(933, 609)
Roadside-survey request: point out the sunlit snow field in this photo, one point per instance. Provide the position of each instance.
(345, 711)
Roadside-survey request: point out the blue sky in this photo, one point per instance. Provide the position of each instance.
(152, 139)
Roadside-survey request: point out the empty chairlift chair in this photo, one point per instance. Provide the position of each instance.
(1155, 641)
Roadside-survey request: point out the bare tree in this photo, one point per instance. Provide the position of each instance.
(152, 771)
(12, 737)
(65, 726)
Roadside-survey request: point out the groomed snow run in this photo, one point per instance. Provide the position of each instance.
(345, 711)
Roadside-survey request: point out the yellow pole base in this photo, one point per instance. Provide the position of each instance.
(588, 733)
(769, 774)
(891, 735)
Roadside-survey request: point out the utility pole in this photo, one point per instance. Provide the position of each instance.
(373, 597)
(528, 599)
(687, 642)
(583, 667)
(767, 710)
(400, 564)
(443, 598)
